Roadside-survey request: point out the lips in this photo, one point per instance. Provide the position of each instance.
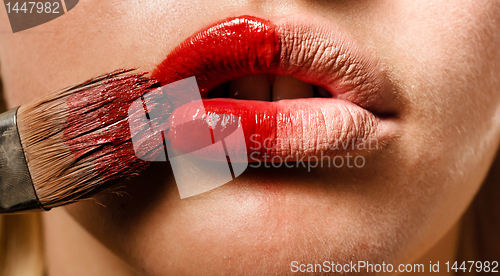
(309, 51)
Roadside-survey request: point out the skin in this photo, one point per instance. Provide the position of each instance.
(404, 206)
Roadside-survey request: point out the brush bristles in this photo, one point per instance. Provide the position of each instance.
(77, 140)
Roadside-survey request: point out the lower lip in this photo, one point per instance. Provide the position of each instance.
(285, 130)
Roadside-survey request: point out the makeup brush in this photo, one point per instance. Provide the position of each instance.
(73, 143)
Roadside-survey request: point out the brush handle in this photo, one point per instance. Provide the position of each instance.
(16, 188)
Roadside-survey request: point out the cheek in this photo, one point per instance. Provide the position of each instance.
(73, 48)
(445, 60)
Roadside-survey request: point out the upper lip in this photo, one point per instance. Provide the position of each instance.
(310, 50)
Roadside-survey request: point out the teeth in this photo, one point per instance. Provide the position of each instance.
(250, 88)
(288, 87)
(258, 87)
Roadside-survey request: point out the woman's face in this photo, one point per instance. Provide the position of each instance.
(442, 61)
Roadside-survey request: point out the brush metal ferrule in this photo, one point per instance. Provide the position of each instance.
(17, 192)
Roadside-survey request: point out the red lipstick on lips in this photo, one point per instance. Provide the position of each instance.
(226, 51)
(245, 45)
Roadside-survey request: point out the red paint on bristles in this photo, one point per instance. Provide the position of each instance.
(97, 126)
